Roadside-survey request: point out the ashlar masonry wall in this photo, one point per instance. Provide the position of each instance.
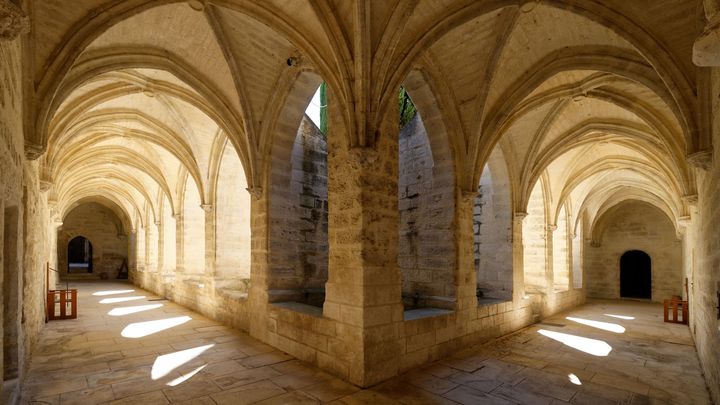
(23, 225)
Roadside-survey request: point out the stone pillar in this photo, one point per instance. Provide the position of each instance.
(151, 241)
(259, 264)
(210, 239)
(132, 255)
(13, 21)
(179, 243)
(363, 292)
(140, 250)
(706, 49)
(465, 274)
(160, 245)
(549, 259)
(518, 256)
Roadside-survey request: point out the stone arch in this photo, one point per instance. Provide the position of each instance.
(670, 74)
(208, 99)
(64, 58)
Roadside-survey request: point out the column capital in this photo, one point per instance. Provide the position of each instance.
(468, 195)
(690, 199)
(255, 192)
(207, 207)
(13, 21)
(363, 156)
(519, 216)
(552, 228)
(702, 159)
(706, 49)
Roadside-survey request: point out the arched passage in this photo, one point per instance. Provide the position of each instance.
(635, 275)
(92, 241)
(634, 226)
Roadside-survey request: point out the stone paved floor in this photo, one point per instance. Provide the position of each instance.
(108, 355)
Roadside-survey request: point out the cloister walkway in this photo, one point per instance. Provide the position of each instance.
(128, 347)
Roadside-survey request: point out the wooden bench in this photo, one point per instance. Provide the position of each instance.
(676, 307)
(64, 298)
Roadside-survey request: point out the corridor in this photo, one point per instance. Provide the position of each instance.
(129, 347)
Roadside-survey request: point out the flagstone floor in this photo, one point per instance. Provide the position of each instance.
(126, 348)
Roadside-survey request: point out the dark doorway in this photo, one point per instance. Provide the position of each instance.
(80, 255)
(635, 275)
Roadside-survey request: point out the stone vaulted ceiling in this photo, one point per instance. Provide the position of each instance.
(596, 99)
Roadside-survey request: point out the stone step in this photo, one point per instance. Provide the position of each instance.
(81, 276)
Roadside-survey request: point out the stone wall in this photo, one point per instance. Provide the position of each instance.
(23, 229)
(39, 234)
(635, 225)
(426, 252)
(105, 232)
(702, 257)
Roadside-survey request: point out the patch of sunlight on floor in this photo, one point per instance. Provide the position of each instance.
(587, 345)
(166, 363)
(610, 327)
(574, 379)
(185, 377)
(142, 329)
(112, 292)
(627, 318)
(120, 311)
(120, 299)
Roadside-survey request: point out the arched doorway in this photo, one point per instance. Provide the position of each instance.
(80, 255)
(635, 275)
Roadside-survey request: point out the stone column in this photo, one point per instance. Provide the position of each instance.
(706, 49)
(160, 244)
(465, 274)
(13, 21)
(179, 243)
(140, 250)
(259, 264)
(132, 256)
(518, 256)
(363, 292)
(210, 240)
(151, 240)
(571, 259)
(549, 260)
